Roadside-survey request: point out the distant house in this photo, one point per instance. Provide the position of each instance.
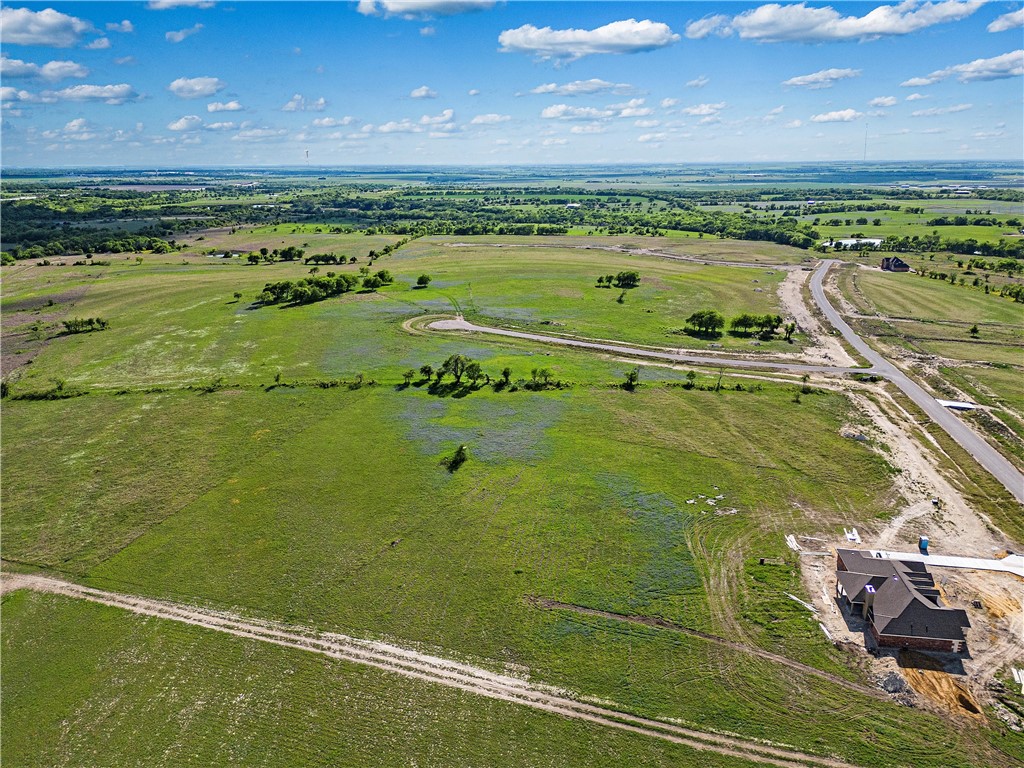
(899, 601)
(894, 264)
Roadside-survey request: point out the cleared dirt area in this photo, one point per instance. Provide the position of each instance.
(434, 669)
(944, 683)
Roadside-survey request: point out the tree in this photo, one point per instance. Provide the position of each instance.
(506, 376)
(238, 295)
(706, 320)
(253, 258)
(372, 283)
(456, 366)
(632, 379)
(628, 279)
(423, 281)
(474, 372)
(314, 270)
(790, 329)
(974, 330)
(385, 277)
(408, 376)
(426, 371)
(744, 322)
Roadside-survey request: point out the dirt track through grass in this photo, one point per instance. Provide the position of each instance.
(428, 668)
(652, 621)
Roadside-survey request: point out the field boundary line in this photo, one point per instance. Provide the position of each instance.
(433, 669)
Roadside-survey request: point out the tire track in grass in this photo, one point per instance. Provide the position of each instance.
(434, 669)
(658, 623)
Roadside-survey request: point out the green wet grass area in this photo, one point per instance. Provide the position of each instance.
(85, 684)
(278, 505)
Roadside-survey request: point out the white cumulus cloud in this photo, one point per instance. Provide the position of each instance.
(51, 71)
(420, 9)
(333, 122)
(224, 106)
(996, 68)
(583, 87)
(120, 26)
(181, 34)
(632, 108)
(883, 101)
(400, 126)
(824, 78)
(441, 119)
(1011, 20)
(698, 82)
(627, 36)
(196, 87)
(839, 116)
(566, 112)
(186, 123)
(588, 128)
(423, 92)
(108, 94)
(298, 103)
(775, 22)
(165, 5)
(704, 109)
(491, 118)
(22, 26)
(99, 44)
(941, 110)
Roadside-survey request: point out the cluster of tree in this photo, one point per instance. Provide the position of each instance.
(461, 366)
(308, 290)
(1005, 249)
(747, 322)
(317, 288)
(628, 279)
(711, 321)
(85, 325)
(974, 221)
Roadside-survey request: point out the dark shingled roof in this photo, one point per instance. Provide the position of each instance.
(906, 603)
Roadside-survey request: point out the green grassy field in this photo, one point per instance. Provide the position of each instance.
(912, 296)
(175, 323)
(329, 507)
(90, 685)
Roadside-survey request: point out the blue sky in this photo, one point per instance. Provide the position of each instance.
(198, 82)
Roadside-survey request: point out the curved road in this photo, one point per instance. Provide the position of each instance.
(460, 324)
(987, 456)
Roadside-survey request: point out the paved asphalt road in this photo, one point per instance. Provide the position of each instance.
(970, 441)
(967, 438)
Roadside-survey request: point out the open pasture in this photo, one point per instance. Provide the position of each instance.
(212, 699)
(302, 519)
(176, 321)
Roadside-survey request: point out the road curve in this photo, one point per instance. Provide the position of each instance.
(461, 324)
(987, 456)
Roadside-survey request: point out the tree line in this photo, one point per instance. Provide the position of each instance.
(711, 321)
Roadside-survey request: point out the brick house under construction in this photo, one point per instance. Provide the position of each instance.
(899, 601)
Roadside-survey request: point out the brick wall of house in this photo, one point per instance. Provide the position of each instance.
(920, 643)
